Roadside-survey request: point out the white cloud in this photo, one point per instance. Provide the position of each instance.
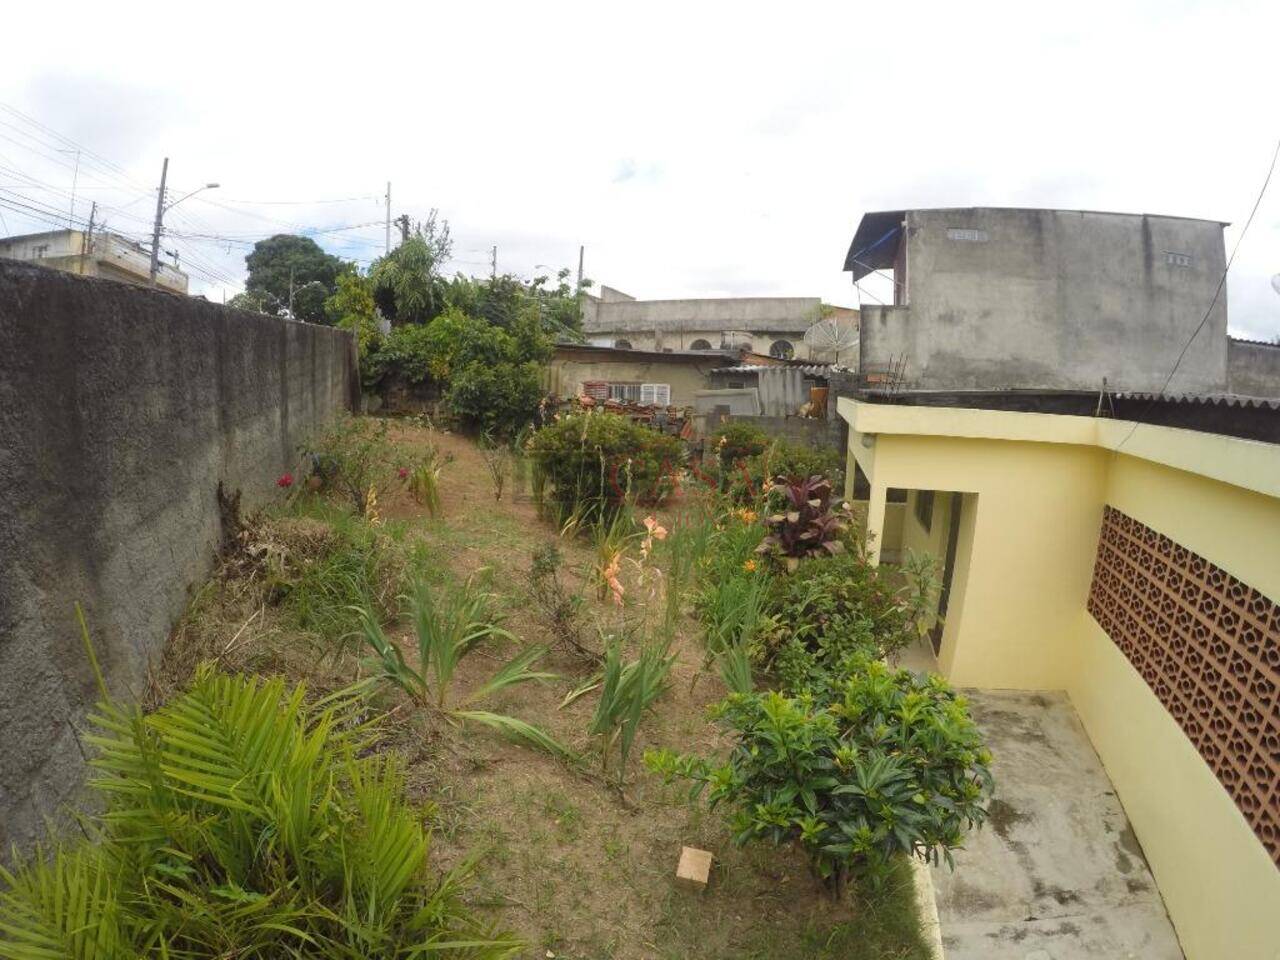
(695, 149)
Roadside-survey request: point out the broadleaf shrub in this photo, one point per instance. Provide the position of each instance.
(805, 524)
(594, 461)
(833, 608)
(884, 764)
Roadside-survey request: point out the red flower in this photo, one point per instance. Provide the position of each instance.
(286, 480)
(404, 472)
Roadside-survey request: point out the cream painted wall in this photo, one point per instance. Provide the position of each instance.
(1220, 886)
(916, 539)
(685, 379)
(1028, 538)
(1034, 532)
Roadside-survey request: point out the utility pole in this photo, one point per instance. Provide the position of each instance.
(578, 288)
(86, 243)
(388, 246)
(155, 235)
(403, 222)
(291, 293)
(495, 262)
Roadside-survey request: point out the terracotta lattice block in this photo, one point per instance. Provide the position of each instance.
(1208, 646)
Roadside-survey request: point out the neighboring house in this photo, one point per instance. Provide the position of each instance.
(660, 377)
(774, 390)
(1130, 560)
(770, 325)
(991, 298)
(103, 254)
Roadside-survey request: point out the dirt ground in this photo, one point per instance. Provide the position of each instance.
(565, 862)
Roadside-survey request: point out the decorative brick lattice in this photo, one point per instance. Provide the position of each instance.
(1209, 647)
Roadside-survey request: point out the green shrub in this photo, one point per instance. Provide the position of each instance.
(240, 822)
(784, 459)
(833, 608)
(354, 457)
(594, 461)
(802, 522)
(733, 445)
(886, 764)
(496, 398)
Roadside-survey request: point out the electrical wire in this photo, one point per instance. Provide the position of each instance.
(1216, 294)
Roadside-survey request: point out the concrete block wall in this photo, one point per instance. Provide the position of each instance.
(820, 434)
(121, 408)
(1253, 368)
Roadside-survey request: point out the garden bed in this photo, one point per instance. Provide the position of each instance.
(569, 861)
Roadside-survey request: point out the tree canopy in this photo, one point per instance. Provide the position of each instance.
(277, 261)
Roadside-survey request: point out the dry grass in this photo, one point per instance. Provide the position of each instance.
(571, 866)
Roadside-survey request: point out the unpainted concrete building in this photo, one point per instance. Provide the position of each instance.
(994, 298)
(768, 325)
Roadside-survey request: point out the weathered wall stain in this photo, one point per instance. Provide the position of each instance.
(120, 410)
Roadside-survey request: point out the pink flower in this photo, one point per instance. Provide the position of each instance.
(285, 481)
(403, 472)
(656, 530)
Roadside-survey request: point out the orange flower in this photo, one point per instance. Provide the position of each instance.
(656, 530)
(749, 566)
(610, 575)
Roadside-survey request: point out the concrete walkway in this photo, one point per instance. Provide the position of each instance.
(1056, 873)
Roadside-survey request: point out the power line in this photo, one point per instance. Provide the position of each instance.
(1216, 294)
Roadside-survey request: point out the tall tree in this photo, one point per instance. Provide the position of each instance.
(285, 258)
(408, 285)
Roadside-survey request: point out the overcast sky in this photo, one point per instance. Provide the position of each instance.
(695, 149)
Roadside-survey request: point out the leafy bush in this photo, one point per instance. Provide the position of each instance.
(497, 398)
(781, 458)
(594, 460)
(832, 609)
(354, 457)
(886, 764)
(806, 525)
(240, 822)
(737, 441)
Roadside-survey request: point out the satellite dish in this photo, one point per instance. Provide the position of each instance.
(1275, 283)
(831, 336)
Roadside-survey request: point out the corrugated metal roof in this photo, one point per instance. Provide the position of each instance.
(812, 369)
(1214, 399)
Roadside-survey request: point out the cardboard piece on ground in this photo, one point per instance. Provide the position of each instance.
(694, 869)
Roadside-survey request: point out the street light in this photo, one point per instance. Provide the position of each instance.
(207, 186)
(161, 209)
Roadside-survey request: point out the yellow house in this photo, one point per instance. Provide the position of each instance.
(1136, 566)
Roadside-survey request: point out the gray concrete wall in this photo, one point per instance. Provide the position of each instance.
(764, 314)
(1055, 300)
(1253, 368)
(120, 410)
(819, 434)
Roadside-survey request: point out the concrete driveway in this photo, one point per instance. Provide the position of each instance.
(1056, 873)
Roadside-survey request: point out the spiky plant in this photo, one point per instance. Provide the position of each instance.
(446, 628)
(241, 821)
(627, 692)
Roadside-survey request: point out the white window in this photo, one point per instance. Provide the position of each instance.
(629, 392)
(657, 394)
